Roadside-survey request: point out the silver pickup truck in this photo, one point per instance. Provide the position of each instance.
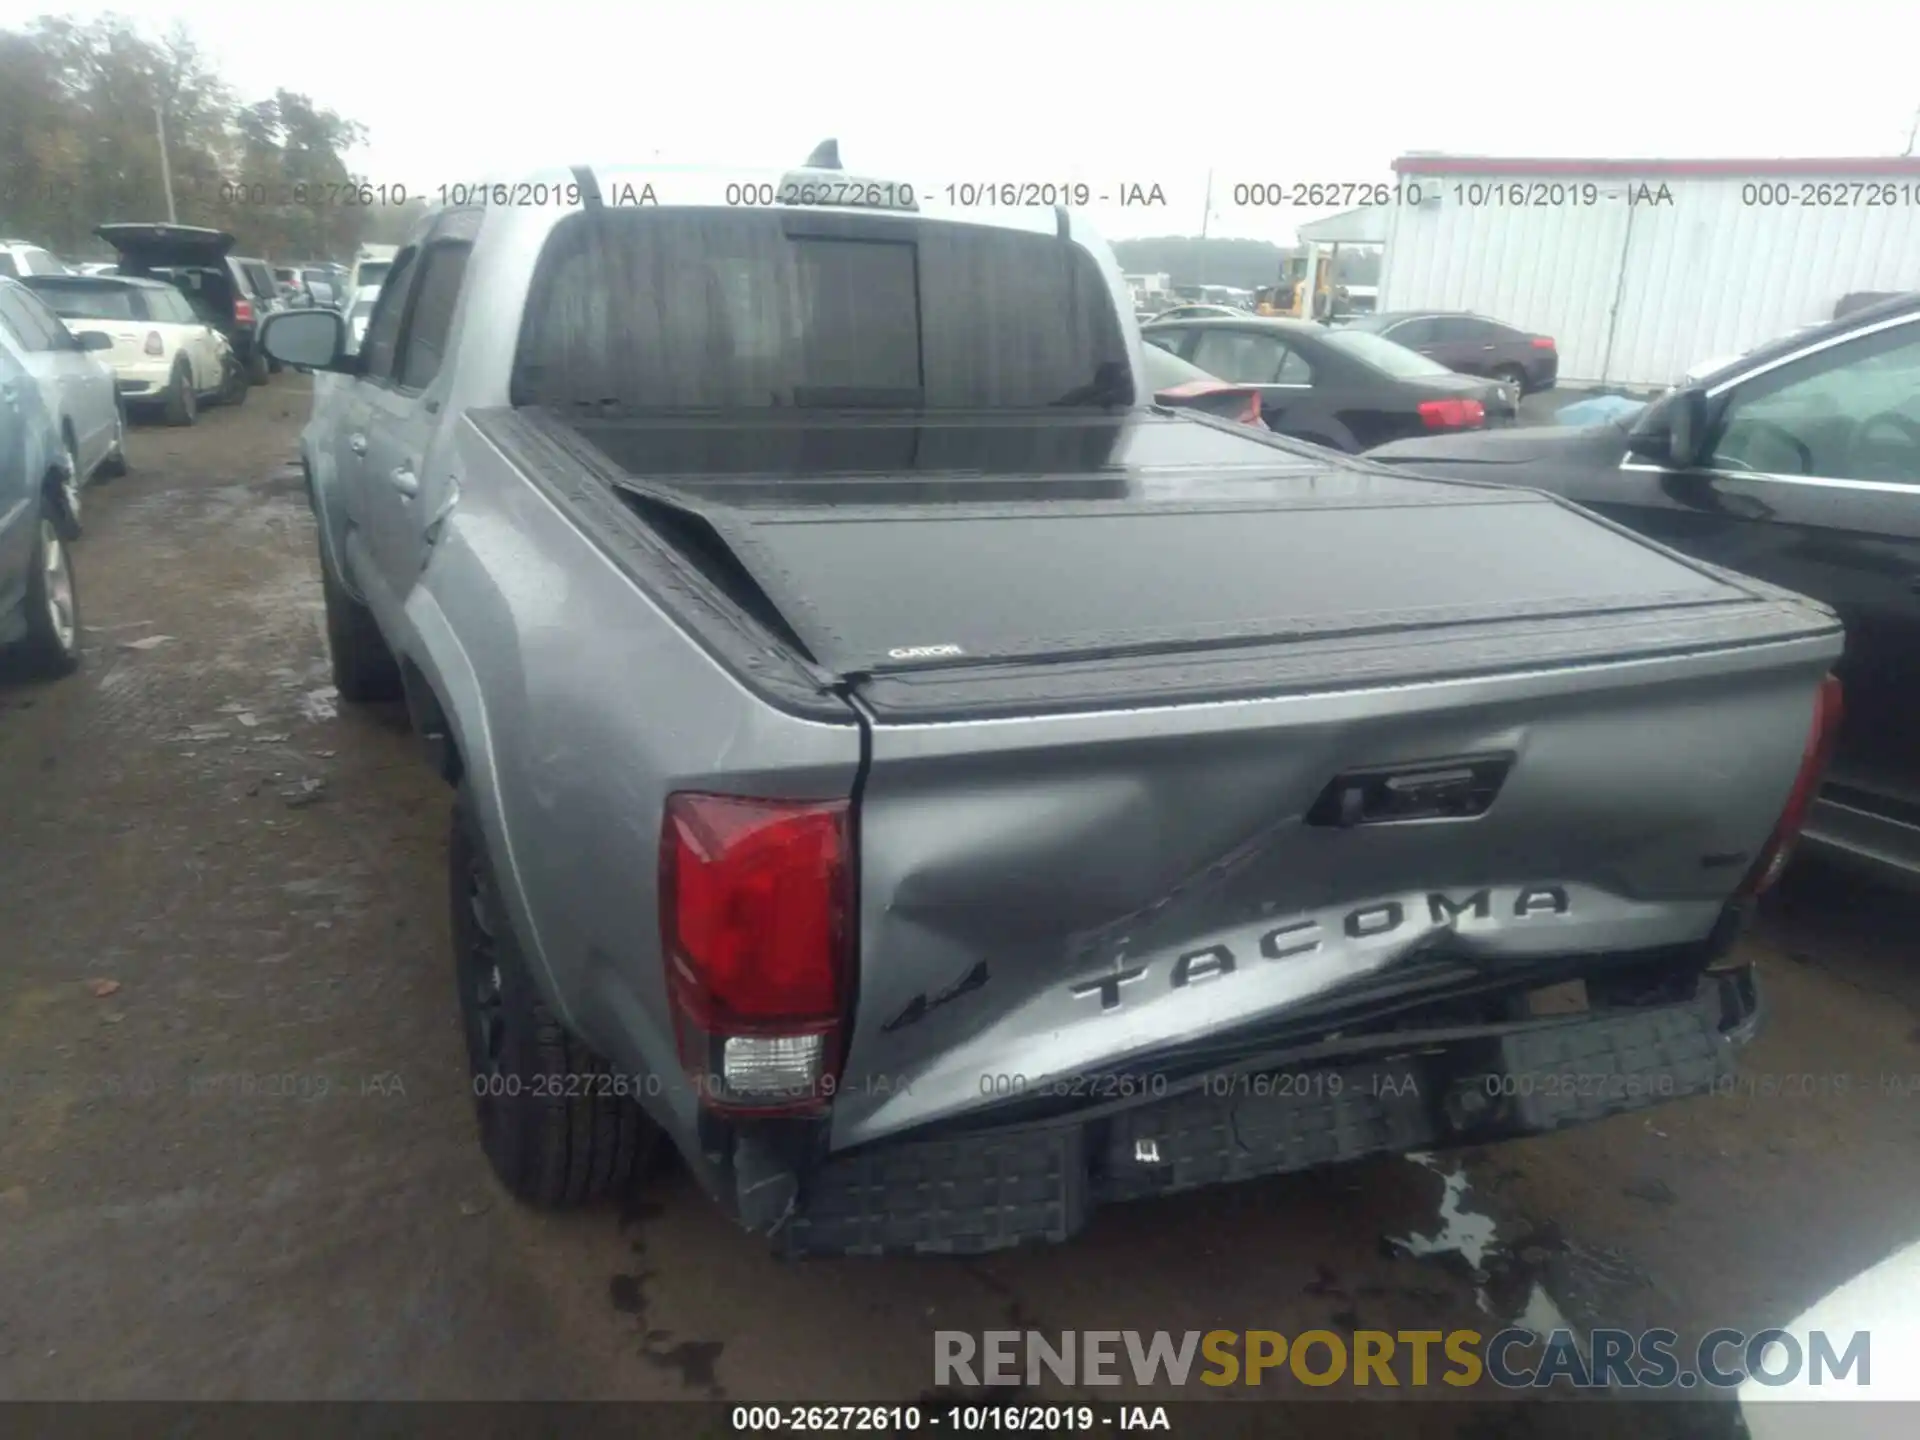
(941, 792)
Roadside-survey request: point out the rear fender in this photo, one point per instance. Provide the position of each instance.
(445, 701)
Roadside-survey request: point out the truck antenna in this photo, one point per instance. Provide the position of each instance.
(825, 156)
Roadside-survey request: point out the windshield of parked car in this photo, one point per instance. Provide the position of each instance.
(93, 302)
(721, 309)
(1382, 354)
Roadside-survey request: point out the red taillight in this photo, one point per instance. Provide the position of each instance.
(756, 932)
(1828, 708)
(1451, 414)
(1543, 342)
(154, 345)
(242, 312)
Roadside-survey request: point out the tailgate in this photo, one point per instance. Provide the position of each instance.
(1044, 899)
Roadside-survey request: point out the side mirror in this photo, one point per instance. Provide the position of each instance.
(94, 340)
(1673, 431)
(313, 338)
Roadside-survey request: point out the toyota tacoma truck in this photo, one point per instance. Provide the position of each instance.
(941, 792)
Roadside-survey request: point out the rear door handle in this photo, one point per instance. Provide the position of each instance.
(357, 444)
(404, 480)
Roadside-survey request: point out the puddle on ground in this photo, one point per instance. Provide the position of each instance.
(1508, 1278)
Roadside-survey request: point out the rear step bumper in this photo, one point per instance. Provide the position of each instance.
(994, 1189)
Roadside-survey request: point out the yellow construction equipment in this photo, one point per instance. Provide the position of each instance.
(1286, 297)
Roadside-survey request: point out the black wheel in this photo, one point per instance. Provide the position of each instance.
(233, 382)
(183, 405)
(257, 371)
(52, 642)
(1512, 375)
(115, 465)
(363, 667)
(550, 1123)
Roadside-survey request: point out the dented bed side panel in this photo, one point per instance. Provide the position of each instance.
(596, 706)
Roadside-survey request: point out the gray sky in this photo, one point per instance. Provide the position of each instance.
(1110, 93)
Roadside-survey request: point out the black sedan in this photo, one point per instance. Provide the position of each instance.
(1798, 463)
(1472, 344)
(1344, 389)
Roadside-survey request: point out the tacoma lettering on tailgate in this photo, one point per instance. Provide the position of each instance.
(1297, 937)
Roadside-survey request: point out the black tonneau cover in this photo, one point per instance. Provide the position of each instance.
(974, 541)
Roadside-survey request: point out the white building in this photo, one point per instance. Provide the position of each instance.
(1639, 268)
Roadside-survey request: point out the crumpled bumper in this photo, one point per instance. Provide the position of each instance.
(1041, 1182)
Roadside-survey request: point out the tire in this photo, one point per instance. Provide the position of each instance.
(257, 371)
(233, 384)
(52, 643)
(1514, 376)
(115, 465)
(364, 669)
(553, 1140)
(183, 405)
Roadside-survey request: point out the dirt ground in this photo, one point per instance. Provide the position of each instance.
(249, 1170)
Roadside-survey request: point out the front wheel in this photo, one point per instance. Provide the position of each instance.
(557, 1127)
(1509, 375)
(115, 465)
(183, 405)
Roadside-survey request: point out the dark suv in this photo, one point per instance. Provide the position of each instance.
(1471, 344)
(232, 293)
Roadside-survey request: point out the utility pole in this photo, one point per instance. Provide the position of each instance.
(1206, 215)
(166, 167)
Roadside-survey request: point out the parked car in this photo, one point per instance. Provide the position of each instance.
(23, 257)
(95, 267)
(39, 601)
(359, 312)
(231, 293)
(1342, 388)
(1472, 345)
(322, 286)
(939, 791)
(75, 388)
(1865, 1393)
(163, 355)
(370, 267)
(1799, 464)
(1178, 385)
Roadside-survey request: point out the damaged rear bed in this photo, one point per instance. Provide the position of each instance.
(1222, 804)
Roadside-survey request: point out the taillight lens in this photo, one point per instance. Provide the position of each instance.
(1543, 342)
(242, 312)
(1828, 708)
(1451, 414)
(154, 345)
(756, 929)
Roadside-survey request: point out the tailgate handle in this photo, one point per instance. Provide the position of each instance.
(1454, 789)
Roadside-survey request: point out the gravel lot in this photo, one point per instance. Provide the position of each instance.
(212, 876)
